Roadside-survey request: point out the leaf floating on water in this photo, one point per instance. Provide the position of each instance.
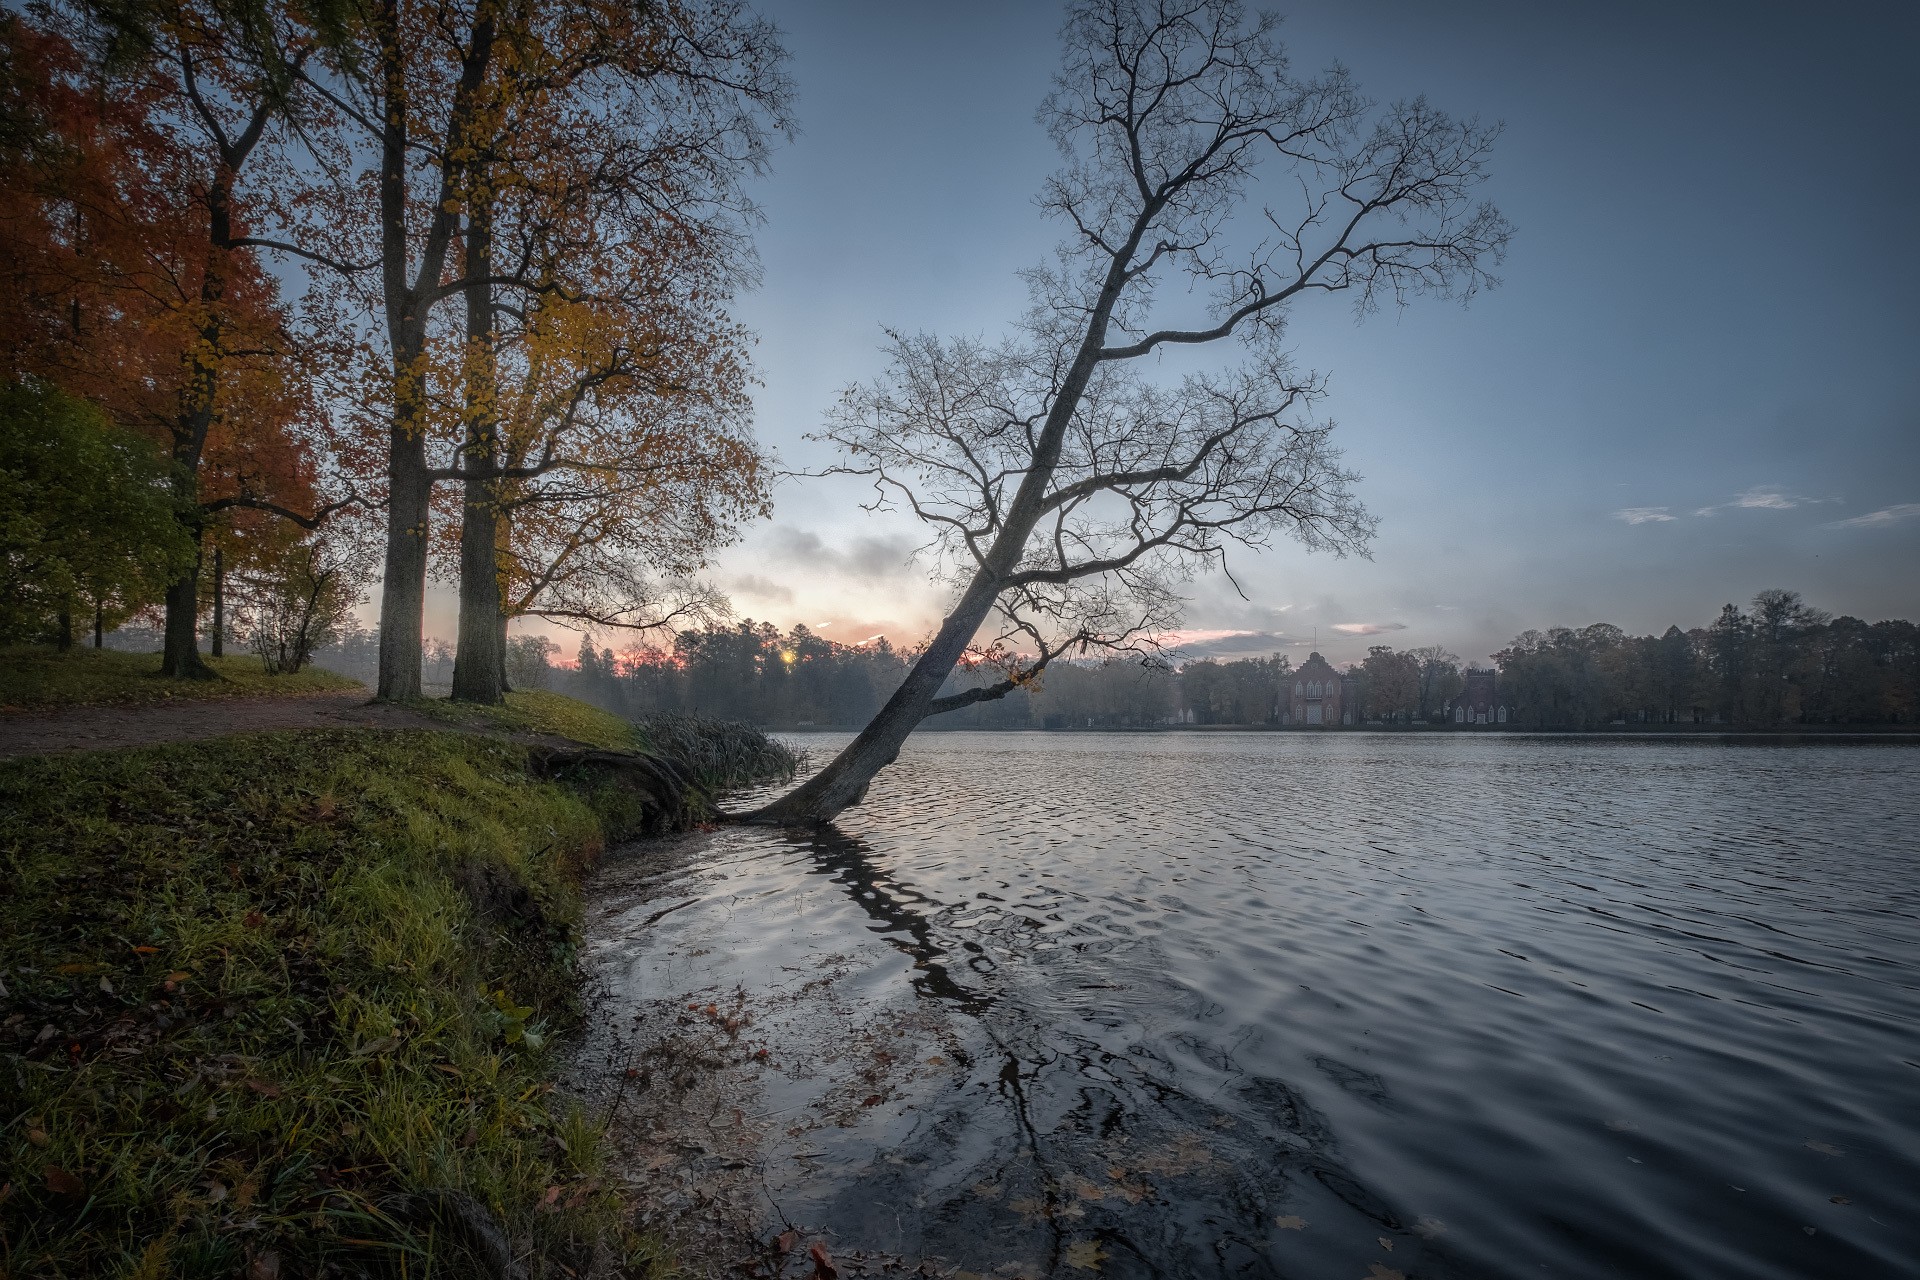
(1379, 1271)
(1838, 1200)
(1290, 1223)
(1429, 1228)
(1825, 1148)
(1623, 1126)
(1385, 1243)
(1087, 1255)
(1811, 1230)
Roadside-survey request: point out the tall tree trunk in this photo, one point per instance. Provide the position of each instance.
(180, 641)
(403, 594)
(99, 623)
(843, 783)
(63, 628)
(479, 661)
(219, 604)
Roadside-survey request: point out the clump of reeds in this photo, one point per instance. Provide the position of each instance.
(722, 755)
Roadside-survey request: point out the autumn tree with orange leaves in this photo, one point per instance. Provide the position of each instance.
(123, 233)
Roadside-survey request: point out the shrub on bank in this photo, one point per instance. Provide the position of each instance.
(277, 1003)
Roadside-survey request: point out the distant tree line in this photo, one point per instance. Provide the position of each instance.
(1779, 663)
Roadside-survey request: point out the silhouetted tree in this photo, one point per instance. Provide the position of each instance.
(1069, 496)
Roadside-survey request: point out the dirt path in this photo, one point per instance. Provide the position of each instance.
(24, 733)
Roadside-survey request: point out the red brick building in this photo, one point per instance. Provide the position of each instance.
(1314, 694)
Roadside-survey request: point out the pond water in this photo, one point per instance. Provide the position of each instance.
(1344, 1005)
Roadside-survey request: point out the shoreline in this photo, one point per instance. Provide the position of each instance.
(1898, 732)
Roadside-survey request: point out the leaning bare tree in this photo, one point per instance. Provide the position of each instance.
(1068, 494)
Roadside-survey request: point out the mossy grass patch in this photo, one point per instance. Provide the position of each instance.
(280, 1003)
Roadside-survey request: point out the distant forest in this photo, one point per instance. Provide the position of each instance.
(1776, 663)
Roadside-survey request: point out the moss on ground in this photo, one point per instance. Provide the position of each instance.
(40, 676)
(538, 711)
(274, 1002)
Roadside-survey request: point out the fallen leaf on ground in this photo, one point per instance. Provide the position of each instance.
(1087, 1255)
(265, 1088)
(62, 1183)
(871, 1100)
(265, 1267)
(785, 1241)
(1290, 1223)
(253, 920)
(37, 1136)
(823, 1268)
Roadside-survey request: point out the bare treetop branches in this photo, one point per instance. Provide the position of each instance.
(1166, 112)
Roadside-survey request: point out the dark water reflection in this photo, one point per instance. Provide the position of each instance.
(1329, 1006)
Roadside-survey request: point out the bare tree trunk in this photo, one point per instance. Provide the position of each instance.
(501, 649)
(479, 662)
(63, 629)
(843, 783)
(403, 594)
(99, 623)
(219, 604)
(180, 648)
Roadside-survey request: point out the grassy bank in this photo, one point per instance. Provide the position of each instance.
(717, 755)
(278, 1004)
(40, 677)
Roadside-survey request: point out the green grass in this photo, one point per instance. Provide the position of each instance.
(40, 676)
(260, 990)
(537, 711)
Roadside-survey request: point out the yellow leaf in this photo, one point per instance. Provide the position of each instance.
(1290, 1223)
(1087, 1255)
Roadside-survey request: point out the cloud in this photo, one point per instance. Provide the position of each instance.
(870, 559)
(1884, 516)
(1764, 497)
(1643, 515)
(1215, 642)
(1368, 628)
(759, 588)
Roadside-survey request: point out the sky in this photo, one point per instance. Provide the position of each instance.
(1698, 379)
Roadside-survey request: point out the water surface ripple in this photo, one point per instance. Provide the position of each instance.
(1343, 1005)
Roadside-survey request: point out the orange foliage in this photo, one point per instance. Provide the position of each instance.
(120, 288)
